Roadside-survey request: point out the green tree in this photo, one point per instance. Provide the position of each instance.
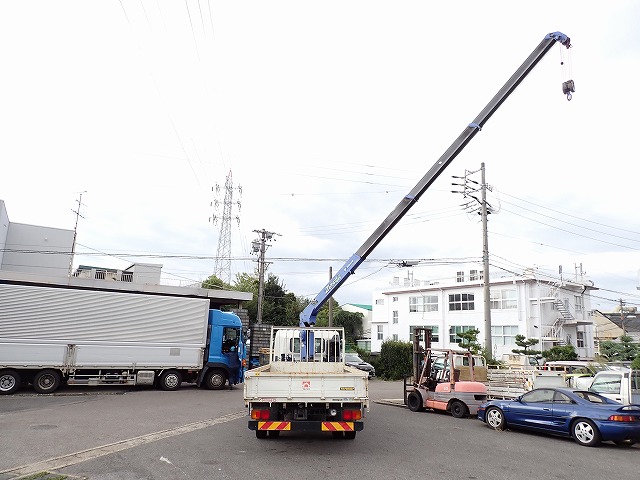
(488, 356)
(352, 324)
(636, 363)
(564, 352)
(623, 350)
(214, 283)
(294, 305)
(322, 318)
(279, 307)
(470, 341)
(245, 282)
(525, 345)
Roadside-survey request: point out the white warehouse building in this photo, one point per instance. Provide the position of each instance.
(557, 312)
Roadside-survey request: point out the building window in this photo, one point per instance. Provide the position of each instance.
(394, 299)
(395, 337)
(459, 276)
(380, 301)
(380, 332)
(580, 339)
(504, 299)
(473, 275)
(435, 337)
(395, 316)
(504, 334)
(455, 330)
(578, 302)
(461, 301)
(427, 303)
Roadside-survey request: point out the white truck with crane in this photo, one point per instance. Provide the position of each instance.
(303, 411)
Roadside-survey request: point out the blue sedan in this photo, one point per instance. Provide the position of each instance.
(586, 416)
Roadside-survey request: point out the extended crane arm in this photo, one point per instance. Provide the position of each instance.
(308, 315)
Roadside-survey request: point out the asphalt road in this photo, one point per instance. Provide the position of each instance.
(134, 434)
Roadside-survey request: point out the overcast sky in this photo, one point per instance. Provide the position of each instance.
(326, 114)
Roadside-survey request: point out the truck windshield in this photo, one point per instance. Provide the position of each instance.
(606, 384)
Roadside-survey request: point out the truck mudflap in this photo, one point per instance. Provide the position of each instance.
(306, 426)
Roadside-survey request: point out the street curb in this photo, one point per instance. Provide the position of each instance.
(394, 402)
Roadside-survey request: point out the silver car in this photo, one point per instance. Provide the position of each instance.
(353, 360)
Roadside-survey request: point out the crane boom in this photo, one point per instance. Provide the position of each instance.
(308, 315)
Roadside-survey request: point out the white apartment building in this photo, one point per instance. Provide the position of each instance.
(557, 312)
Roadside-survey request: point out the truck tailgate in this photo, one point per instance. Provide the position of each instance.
(262, 385)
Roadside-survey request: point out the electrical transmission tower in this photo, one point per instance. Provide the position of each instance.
(222, 268)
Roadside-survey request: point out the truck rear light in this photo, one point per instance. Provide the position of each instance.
(260, 414)
(623, 418)
(351, 415)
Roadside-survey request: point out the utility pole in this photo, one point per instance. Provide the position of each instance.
(259, 246)
(75, 233)
(485, 266)
(473, 204)
(624, 332)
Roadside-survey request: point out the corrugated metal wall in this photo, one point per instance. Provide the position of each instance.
(72, 315)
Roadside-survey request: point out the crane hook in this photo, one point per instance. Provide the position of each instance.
(568, 88)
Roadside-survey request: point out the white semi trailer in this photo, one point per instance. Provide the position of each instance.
(55, 334)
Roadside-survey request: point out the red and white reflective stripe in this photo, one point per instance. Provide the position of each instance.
(274, 425)
(337, 426)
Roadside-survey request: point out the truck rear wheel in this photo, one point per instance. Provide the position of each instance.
(46, 381)
(170, 380)
(9, 382)
(215, 379)
(261, 434)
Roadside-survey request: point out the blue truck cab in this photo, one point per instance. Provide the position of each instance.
(224, 359)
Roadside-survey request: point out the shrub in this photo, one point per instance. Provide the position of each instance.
(395, 360)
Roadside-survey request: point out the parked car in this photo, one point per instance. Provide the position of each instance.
(586, 416)
(353, 360)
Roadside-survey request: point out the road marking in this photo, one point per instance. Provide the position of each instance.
(91, 453)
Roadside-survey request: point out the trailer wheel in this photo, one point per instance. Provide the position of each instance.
(46, 381)
(215, 379)
(170, 380)
(458, 409)
(261, 433)
(414, 402)
(9, 382)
